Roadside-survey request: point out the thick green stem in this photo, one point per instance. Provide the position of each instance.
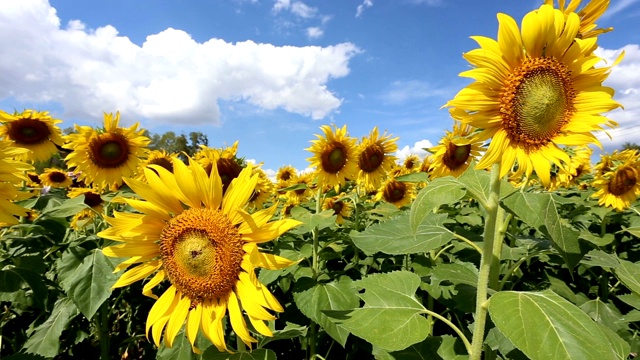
(498, 240)
(103, 330)
(313, 327)
(486, 261)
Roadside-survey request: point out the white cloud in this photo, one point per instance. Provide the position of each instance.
(404, 91)
(625, 80)
(366, 4)
(297, 8)
(617, 7)
(171, 77)
(281, 5)
(314, 32)
(417, 149)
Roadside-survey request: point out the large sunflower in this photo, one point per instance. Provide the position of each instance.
(375, 159)
(535, 91)
(334, 156)
(104, 158)
(618, 180)
(12, 172)
(455, 152)
(205, 245)
(32, 130)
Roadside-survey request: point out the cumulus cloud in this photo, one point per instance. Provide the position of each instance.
(169, 78)
(416, 149)
(366, 4)
(314, 32)
(625, 80)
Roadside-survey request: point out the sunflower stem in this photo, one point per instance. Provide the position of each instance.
(103, 330)
(313, 327)
(486, 261)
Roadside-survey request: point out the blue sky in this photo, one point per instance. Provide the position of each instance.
(269, 73)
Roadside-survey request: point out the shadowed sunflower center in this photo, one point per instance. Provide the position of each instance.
(34, 178)
(394, 191)
(228, 169)
(109, 150)
(57, 176)
(92, 199)
(371, 158)
(624, 180)
(456, 156)
(164, 162)
(537, 101)
(337, 207)
(201, 253)
(334, 157)
(28, 131)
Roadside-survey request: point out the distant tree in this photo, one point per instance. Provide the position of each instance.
(172, 143)
(631, 146)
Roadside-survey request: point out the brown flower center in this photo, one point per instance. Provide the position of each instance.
(164, 162)
(109, 150)
(537, 101)
(228, 169)
(57, 177)
(92, 199)
(28, 131)
(456, 156)
(624, 180)
(371, 158)
(334, 157)
(394, 192)
(201, 253)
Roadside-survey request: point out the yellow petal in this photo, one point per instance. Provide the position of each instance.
(155, 280)
(178, 316)
(161, 307)
(271, 230)
(238, 193)
(237, 320)
(260, 326)
(193, 324)
(137, 273)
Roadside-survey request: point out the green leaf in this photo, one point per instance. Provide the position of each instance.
(597, 240)
(87, 278)
(396, 237)
(600, 258)
(456, 273)
(414, 177)
(68, 207)
(543, 325)
(45, 340)
(290, 331)
(631, 299)
(629, 275)
(312, 299)
(439, 192)
(12, 279)
(604, 313)
(259, 354)
(540, 212)
(391, 317)
(436, 348)
(181, 349)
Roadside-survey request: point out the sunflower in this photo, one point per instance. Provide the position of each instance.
(412, 163)
(34, 180)
(285, 174)
(55, 178)
(589, 14)
(395, 192)
(334, 156)
(619, 186)
(157, 157)
(579, 165)
(425, 166)
(375, 159)
(535, 91)
(263, 191)
(340, 205)
(305, 191)
(103, 158)
(229, 166)
(12, 172)
(92, 199)
(454, 153)
(205, 245)
(32, 130)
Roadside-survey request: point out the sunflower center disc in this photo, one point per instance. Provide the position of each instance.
(456, 156)
(109, 150)
(201, 253)
(334, 158)
(28, 131)
(394, 192)
(623, 180)
(57, 177)
(371, 158)
(537, 101)
(164, 162)
(337, 207)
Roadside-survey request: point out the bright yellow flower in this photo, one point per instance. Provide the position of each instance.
(104, 158)
(617, 179)
(395, 192)
(375, 159)
(341, 206)
(334, 156)
(156, 157)
(229, 166)
(55, 178)
(412, 163)
(205, 244)
(535, 90)
(32, 130)
(454, 153)
(589, 14)
(12, 173)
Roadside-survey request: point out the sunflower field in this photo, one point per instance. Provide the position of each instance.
(506, 242)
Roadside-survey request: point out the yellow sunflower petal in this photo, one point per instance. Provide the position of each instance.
(155, 281)
(137, 273)
(237, 320)
(178, 316)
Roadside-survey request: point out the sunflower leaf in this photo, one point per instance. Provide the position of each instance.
(45, 340)
(434, 347)
(629, 275)
(439, 192)
(392, 316)
(66, 208)
(259, 354)
(181, 349)
(396, 236)
(543, 325)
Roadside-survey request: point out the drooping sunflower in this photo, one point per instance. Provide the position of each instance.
(32, 130)
(12, 173)
(340, 205)
(156, 157)
(55, 178)
(263, 191)
(103, 158)
(588, 14)
(580, 165)
(305, 191)
(375, 159)
(229, 166)
(454, 153)
(395, 192)
(534, 91)
(205, 245)
(619, 186)
(93, 199)
(334, 156)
